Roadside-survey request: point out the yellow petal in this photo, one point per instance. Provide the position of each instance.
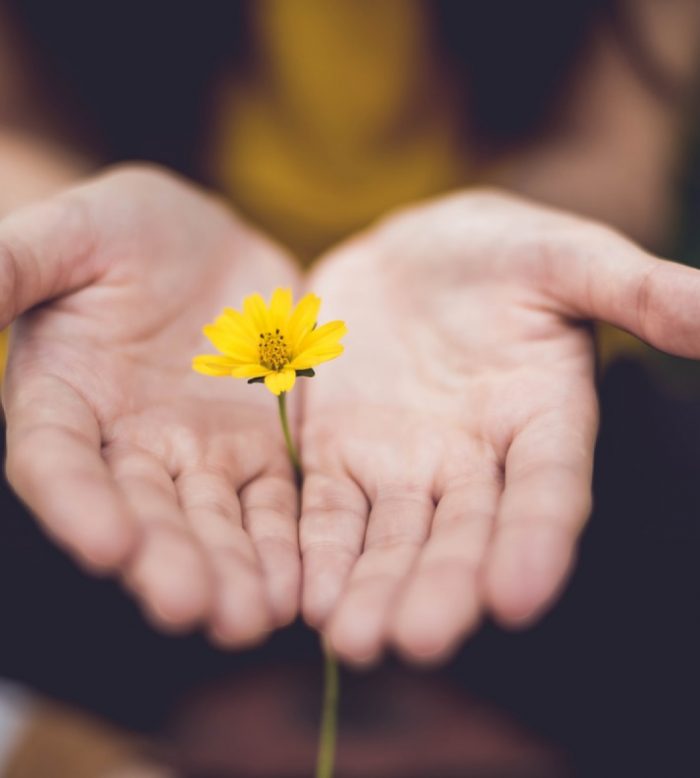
(239, 349)
(327, 335)
(255, 310)
(212, 364)
(303, 319)
(313, 357)
(280, 308)
(252, 370)
(240, 325)
(280, 382)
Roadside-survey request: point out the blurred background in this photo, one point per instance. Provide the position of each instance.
(560, 101)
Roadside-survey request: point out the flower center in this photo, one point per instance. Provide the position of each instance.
(273, 350)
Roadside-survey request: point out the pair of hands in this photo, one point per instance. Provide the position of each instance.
(447, 454)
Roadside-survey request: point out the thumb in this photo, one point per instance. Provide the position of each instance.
(46, 251)
(604, 276)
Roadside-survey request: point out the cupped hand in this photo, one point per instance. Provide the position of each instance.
(177, 482)
(448, 454)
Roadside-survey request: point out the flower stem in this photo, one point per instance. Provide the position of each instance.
(329, 715)
(331, 677)
(291, 448)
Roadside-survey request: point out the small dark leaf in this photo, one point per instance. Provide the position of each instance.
(258, 380)
(308, 373)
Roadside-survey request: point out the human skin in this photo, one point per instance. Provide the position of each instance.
(176, 483)
(65, 258)
(447, 454)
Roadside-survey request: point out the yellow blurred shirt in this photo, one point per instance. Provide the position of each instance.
(345, 114)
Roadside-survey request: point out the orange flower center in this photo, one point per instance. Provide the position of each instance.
(272, 350)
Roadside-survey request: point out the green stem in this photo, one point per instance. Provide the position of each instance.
(331, 677)
(291, 448)
(329, 715)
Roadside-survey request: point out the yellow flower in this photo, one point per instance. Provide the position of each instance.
(274, 343)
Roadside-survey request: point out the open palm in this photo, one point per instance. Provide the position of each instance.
(138, 465)
(449, 453)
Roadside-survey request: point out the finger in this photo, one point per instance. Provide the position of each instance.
(46, 250)
(55, 466)
(609, 278)
(398, 525)
(441, 603)
(331, 532)
(270, 517)
(168, 572)
(545, 504)
(241, 613)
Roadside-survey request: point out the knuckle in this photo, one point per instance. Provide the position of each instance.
(548, 512)
(327, 495)
(216, 504)
(403, 498)
(328, 547)
(396, 541)
(644, 298)
(272, 494)
(276, 544)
